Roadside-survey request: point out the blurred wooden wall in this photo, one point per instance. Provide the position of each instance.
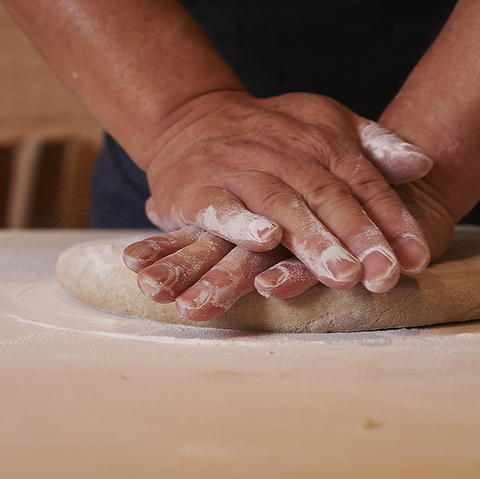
(48, 142)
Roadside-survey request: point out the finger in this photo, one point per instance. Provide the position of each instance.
(223, 214)
(433, 218)
(388, 212)
(141, 254)
(158, 220)
(333, 262)
(286, 279)
(398, 161)
(169, 277)
(359, 207)
(391, 216)
(232, 278)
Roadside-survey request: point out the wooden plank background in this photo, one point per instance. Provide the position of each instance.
(34, 104)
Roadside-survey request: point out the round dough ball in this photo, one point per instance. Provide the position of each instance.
(449, 290)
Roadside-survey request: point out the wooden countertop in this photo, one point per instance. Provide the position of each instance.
(88, 394)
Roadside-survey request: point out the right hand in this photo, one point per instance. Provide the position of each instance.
(227, 274)
(293, 169)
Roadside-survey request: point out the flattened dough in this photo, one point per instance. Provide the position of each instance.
(447, 291)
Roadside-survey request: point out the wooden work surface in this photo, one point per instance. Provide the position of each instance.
(88, 394)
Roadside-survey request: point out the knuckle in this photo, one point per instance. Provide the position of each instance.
(332, 149)
(324, 143)
(323, 196)
(279, 199)
(371, 189)
(224, 274)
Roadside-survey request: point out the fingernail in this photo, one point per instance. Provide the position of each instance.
(195, 297)
(155, 282)
(143, 250)
(160, 274)
(272, 277)
(343, 269)
(378, 269)
(413, 255)
(262, 229)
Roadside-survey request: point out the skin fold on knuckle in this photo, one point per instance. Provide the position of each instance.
(278, 200)
(366, 187)
(329, 196)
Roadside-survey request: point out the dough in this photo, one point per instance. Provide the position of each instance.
(447, 291)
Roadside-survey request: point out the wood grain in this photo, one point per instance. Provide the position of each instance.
(36, 106)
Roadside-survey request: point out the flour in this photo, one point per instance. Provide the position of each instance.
(398, 161)
(100, 259)
(71, 373)
(293, 270)
(321, 262)
(239, 225)
(299, 278)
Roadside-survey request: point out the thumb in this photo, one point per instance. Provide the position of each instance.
(158, 220)
(398, 161)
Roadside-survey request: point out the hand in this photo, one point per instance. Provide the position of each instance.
(290, 169)
(207, 275)
(203, 273)
(229, 279)
(291, 277)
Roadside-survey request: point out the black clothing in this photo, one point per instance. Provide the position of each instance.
(358, 52)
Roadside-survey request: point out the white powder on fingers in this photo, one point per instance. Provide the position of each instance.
(209, 296)
(161, 222)
(414, 237)
(237, 225)
(397, 160)
(182, 267)
(412, 230)
(151, 289)
(321, 259)
(293, 270)
(390, 276)
(147, 252)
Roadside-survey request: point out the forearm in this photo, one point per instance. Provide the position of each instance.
(130, 62)
(438, 109)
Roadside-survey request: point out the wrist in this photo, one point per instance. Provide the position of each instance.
(162, 123)
(446, 132)
(192, 115)
(438, 109)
